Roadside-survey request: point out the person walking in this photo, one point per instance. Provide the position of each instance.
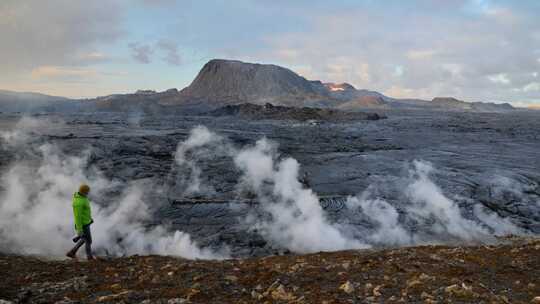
(83, 219)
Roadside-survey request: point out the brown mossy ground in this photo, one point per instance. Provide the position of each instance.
(504, 273)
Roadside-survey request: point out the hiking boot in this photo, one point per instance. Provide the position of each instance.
(71, 255)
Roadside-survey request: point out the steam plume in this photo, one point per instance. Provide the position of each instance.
(36, 214)
(295, 220)
(35, 209)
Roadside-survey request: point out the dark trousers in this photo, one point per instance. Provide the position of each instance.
(85, 238)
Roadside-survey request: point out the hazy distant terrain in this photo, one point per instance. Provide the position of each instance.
(30, 102)
(229, 82)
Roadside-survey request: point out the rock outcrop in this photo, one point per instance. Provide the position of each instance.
(450, 103)
(368, 101)
(222, 82)
(269, 111)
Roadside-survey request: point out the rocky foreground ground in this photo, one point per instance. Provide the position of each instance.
(504, 273)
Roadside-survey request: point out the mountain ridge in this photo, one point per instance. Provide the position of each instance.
(226, 82)
(223, 82)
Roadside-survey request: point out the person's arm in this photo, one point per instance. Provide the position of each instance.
(90, 212)
(77, 213)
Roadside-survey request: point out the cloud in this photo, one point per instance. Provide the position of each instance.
(53, 46)
(56, 32)
(158, 2)
(62, 72)
(533, 86)
(499, 78)
(92, 57)
(68, 74)
(420, 54)
(141, 53)
(170, 49)
(474, 54)
(398, 71)
(401, 92)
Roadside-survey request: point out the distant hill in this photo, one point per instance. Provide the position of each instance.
(230, 82)
(28, 102)
(373, 102)
(142, 100)
(223, 82)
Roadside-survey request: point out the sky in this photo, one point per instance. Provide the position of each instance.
(474, 50)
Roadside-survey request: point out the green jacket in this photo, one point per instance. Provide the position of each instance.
(81, 212)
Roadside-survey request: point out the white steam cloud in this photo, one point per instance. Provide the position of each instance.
(439, 218)
(295, 220)
(201, 145)
(36, 214)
